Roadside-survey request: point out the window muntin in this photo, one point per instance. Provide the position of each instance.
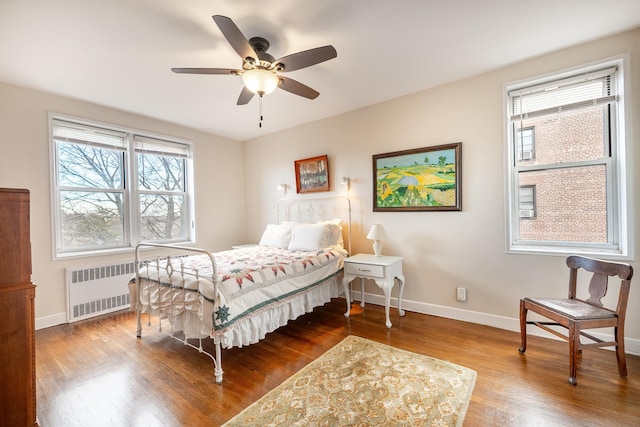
(577, 167)
(92, 189)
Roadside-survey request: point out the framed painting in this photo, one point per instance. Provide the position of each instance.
(422, 179)
(312, 174)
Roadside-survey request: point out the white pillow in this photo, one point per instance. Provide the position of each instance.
(335, 229)
(276, 236)
(309, 237)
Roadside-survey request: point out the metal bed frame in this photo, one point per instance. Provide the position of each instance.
(304, 209)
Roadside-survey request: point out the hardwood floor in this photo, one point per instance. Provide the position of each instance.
(97, 373)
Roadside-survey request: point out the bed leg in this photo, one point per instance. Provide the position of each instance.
(218, 362)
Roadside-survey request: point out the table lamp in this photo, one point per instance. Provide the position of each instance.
(377, 234)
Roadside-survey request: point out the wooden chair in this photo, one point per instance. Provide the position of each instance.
(576, 314)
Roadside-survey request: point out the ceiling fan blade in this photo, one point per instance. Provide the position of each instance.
(245, 96)
(297, 88)
(234, 36)
(306, 58)
(206, 71)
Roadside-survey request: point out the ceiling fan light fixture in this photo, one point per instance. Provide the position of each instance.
(260, 71)
(259, 81)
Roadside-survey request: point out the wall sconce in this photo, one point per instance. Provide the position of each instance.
(283, 188)
(346, 181)
(377, 234)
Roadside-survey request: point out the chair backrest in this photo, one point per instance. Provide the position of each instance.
(601, 270)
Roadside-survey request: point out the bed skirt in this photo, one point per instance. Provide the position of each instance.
(248, 330)
(252, 329)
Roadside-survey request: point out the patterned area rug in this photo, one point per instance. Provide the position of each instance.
(364, 383)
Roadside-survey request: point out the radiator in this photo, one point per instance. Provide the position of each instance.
(93, 291)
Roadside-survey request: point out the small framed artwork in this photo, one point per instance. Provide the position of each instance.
(312, 175)
(422, 179)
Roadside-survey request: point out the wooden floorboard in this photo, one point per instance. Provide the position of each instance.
(97, 373)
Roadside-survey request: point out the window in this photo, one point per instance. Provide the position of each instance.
(567, 165)
(525, 143)
(162, 190)
(527, 201)
(97, 208)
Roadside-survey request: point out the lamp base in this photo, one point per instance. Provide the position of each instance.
(377, 247)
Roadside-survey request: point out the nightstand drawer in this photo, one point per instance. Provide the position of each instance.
(367, 270)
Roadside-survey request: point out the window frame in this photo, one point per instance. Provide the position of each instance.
(618, 184)
(131, 212)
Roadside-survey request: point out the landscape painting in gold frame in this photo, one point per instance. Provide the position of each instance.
(421, 179)
(312, 174)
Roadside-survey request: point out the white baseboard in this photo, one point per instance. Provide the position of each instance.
(632, 346)
(52, 320)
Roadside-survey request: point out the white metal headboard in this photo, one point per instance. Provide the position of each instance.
(317, 208)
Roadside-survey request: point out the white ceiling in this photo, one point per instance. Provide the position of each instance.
(119, 53)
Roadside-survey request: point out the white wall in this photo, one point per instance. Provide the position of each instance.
(443, 249)
(24, 163)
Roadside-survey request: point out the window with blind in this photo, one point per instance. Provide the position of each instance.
(162, 190)
(566, 163)
(98, 207)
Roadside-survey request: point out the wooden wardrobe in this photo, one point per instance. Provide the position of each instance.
(17, 317)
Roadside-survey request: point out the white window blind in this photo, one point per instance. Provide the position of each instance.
(594, 88)
(88, 135)
(160, 147)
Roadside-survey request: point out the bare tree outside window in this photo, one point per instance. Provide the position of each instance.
(91, 196)
(161, 184)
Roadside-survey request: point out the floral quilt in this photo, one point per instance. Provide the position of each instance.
(248, 280)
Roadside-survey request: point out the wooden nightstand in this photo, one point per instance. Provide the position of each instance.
(383, 269)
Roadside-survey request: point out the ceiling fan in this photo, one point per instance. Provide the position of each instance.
(260, 71)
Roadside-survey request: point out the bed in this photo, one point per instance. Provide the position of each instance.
(236, 297)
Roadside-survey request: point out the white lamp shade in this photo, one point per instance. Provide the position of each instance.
(377, 233)
(260, 81)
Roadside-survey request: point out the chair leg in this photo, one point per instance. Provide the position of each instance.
(523, 328)
(622, 361)
(574, 348)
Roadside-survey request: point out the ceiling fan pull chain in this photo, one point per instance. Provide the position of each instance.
(260, 111)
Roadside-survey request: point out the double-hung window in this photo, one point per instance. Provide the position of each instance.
(566, 154)
(161, 168)
(113, 188)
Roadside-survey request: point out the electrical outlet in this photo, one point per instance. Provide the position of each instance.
(461, 294)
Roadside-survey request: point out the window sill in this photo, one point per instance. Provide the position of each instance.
(107, 252)
(566, 251)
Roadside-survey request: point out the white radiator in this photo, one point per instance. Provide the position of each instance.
(93, 291)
